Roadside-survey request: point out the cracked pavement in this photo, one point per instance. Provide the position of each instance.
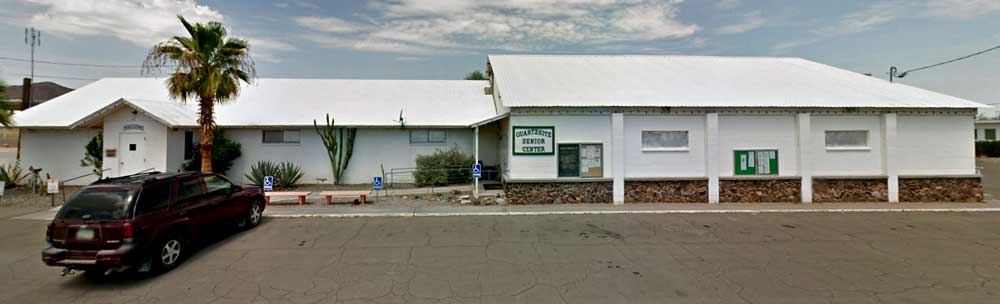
(669, 258)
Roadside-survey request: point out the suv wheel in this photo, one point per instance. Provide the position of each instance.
(169, 252)
(253, 216)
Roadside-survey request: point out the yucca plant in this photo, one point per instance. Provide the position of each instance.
(11, 174)
(286, 174)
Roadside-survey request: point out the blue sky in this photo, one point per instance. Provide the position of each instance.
(444, 39)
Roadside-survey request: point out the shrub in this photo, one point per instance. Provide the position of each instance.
(444, 167)
(988, 148)
(11, 174)
(286, 174)
(92, 156)
(224, 152)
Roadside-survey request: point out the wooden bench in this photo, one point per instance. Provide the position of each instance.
(301, 195)
(329, 195)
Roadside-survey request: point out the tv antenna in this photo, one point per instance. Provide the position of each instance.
(33, 38)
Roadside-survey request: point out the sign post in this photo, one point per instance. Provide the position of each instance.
(477, 172)
(52, 190)
(268, 183)
(377, 186)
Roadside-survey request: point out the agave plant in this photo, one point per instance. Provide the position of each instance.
(11, 174)
(286, 174)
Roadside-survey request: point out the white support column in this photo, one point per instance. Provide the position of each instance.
(475, 149)
(889, 163)
(618, 157)
(712, 156)
(804, 160)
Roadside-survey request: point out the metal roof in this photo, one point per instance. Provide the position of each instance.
(280, 102)
(697, 81)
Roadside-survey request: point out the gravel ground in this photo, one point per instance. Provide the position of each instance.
(23, 198)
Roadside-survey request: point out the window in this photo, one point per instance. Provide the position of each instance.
(217, 184)
(990, 134)
(847, 139)
(581, 160)
(189, 190)
(153, 198)
(664, 140)
(756, 162)
(281, 136)
(428, 136)
(188, 145)
(96, 204)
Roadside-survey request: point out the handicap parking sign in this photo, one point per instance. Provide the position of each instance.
(477, 171)
(377, 183)
(268, 183)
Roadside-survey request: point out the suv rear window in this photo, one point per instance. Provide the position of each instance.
(97, 204)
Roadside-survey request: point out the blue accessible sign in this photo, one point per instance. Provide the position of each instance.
(477, 171)
(377, 183)
(268, 183)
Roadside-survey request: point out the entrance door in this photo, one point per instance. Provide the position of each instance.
(131, 158)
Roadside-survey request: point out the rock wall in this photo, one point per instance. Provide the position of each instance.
(760, 191)
(850, 190)
(559, 193)
(666, 191)
(966, 190)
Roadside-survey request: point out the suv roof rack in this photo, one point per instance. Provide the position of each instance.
(141, 178)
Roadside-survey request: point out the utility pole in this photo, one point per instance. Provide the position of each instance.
(32, 38)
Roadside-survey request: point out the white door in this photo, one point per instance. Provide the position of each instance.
(131, 158)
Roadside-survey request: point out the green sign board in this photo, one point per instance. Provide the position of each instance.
(533, 140)
(755, 162)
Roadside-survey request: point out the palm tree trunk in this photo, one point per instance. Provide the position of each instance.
(207, 122)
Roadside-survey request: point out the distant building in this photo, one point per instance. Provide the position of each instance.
(986, 129)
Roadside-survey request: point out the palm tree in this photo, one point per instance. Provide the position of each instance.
(6, 113)
(475, 75)
(209, 66)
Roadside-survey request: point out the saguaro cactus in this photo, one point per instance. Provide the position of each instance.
(339, 144)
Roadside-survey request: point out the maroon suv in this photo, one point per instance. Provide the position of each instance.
(145, 220)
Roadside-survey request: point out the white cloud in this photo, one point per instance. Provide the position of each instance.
(296, 3)
(266, 50)
(727, 4)
(751, 21)
(141, 22)
(887, 11)
(329, 24)
(963, 9)
(510, 25)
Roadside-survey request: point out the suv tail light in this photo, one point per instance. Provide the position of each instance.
(127, 232)
(48, 233)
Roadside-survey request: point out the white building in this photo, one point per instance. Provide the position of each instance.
(272, 120)
(568, 129)
(986, 130)
(692, 128)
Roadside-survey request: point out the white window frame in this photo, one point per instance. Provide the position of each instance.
(428, 140)
(865, 147)
(685, 148)
(283, 141)
(986, 134)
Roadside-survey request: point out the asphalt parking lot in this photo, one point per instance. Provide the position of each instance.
(681, 258)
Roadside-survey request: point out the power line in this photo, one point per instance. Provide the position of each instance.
(61, 77)
(892, 70)
(72, 63)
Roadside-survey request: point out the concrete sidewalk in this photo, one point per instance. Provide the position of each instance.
(425, 209)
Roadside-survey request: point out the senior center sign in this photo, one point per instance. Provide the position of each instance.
(534, 140)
